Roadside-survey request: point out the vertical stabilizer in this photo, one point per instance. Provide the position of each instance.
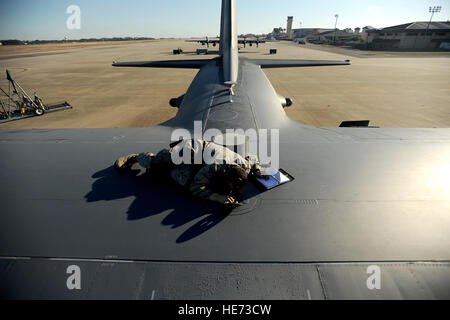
(229, 41)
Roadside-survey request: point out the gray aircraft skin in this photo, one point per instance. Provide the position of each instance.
(363, 199)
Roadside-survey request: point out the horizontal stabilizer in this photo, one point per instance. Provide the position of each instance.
(275, 63)
(182, 64)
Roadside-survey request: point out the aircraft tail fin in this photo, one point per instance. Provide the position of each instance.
(229, 41)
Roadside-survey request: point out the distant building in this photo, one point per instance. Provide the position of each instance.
(365, 33)
(334, 36)
(410, 36)
(306, 32)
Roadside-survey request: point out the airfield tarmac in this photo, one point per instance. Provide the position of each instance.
(398, 90)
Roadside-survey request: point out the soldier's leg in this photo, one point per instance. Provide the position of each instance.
(145, 159)
(183, 174)
(125, 162)
(162, 161)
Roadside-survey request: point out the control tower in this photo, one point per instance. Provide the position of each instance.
(290, 20)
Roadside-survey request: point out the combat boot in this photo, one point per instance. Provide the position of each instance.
(125, 162)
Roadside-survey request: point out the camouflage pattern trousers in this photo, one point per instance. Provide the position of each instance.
(162, 164)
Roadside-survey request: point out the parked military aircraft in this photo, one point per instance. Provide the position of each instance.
(367, 215)
(206, 41)
(215, 42)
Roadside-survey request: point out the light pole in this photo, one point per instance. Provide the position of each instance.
(432, 10)
(335, 25)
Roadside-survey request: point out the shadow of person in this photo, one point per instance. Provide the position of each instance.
(249, 191)
(155, 195)
(203, 225)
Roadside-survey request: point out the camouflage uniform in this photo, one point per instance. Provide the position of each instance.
(222, 158)
(219, 154)
(197, 177)
(161, 161)
(202, 185)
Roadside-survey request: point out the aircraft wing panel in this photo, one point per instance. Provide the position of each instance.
(360, 197)
(147, 280)
(346, 191)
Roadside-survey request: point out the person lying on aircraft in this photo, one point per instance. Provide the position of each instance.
(223, 176)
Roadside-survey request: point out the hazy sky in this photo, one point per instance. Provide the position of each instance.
(46, 19)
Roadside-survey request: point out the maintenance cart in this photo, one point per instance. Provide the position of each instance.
(16, 104)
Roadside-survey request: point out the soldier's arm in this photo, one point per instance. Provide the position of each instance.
(255, 166)
(254, 163)
(200, 186)
(222, 199)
